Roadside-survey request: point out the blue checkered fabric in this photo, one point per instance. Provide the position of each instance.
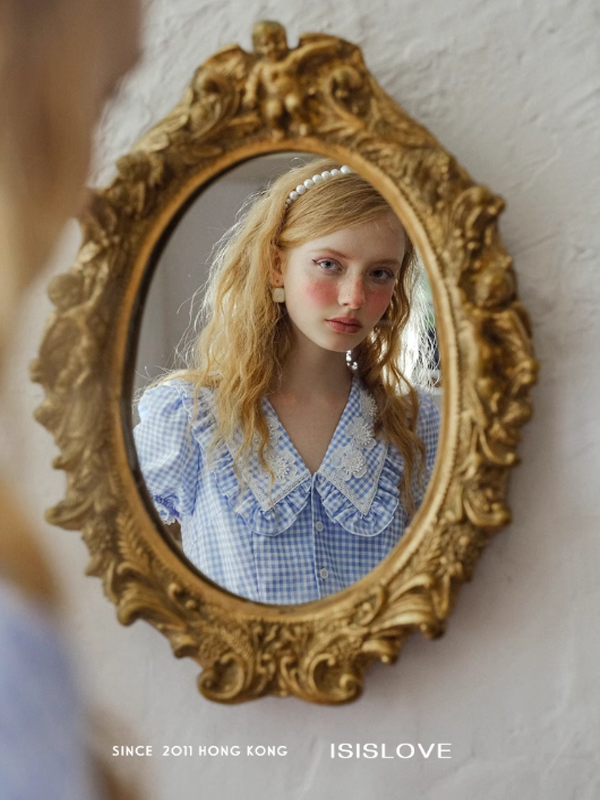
(278, 535)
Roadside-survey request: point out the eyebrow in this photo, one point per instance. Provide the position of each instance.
(380, 262)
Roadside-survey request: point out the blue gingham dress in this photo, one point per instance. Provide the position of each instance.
(292, 538)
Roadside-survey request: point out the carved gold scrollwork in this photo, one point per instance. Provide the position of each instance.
(320, 97)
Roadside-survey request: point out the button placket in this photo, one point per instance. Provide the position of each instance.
(323, 572)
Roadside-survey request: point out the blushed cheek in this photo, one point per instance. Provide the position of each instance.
(378, 301)
(321, 292)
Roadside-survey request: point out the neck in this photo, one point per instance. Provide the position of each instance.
(310, 370)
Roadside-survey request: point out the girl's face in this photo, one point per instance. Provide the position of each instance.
(339, 286)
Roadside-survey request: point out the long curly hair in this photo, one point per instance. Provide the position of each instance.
(246, 337)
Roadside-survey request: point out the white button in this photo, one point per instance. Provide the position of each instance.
(324, 573)
(319, 526)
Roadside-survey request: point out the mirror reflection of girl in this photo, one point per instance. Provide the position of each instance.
(292, 466)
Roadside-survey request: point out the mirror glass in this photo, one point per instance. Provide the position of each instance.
(263, 536)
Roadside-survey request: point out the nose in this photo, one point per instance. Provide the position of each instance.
(352, 292)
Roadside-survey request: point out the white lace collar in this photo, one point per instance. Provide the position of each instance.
(352, 463)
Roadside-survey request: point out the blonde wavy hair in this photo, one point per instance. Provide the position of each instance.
(246, 337)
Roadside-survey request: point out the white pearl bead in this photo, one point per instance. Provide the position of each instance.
(318, 178)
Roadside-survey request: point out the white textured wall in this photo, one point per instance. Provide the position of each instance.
(513, 89)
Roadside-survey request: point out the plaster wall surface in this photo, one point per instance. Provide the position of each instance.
(513, 90)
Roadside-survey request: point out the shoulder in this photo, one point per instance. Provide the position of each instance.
(429, 415)
(168, 413)
(165, 412)
(428, 427)
(174, 414)
(176, 399)
(167, 397)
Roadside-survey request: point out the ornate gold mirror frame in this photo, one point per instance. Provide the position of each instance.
(320, 98)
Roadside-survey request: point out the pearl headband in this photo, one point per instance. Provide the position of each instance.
(319, 178)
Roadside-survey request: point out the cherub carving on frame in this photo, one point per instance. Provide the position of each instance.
(273, 84)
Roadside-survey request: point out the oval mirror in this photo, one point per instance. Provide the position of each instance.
(317, 98)
(170, 327)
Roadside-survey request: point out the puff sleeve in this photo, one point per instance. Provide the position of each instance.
(169, 456)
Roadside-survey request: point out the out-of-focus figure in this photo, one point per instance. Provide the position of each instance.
(59, 62)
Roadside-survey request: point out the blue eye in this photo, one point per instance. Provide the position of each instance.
(383, 275)
(327, 264)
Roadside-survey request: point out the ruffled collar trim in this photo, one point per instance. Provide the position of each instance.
(352, 463)
(357, 480)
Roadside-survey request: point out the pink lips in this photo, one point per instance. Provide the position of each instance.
(344, 324)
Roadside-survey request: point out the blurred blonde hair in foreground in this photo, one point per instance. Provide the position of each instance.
(59, 62)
